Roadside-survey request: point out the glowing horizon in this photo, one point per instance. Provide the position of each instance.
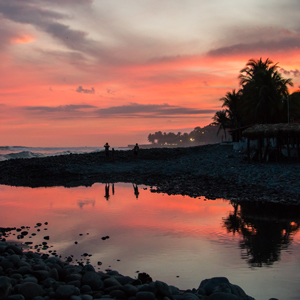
(84, 72)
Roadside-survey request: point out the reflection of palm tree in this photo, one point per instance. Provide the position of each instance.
(263, 243)
(234, 221)
(265, 231)
(107, 191)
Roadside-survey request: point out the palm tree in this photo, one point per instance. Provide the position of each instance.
(221, 119)
(232, 102)
(263, 89)
(253, 67)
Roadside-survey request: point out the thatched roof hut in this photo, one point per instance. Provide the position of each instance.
(272, 131)
(284, 134)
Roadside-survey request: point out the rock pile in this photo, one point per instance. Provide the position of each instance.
(37, 276)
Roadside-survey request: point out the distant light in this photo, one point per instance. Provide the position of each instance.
(192, 139)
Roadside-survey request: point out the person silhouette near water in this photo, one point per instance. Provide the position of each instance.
(107, 191)
(136, 190)
(113, 188)
(106, 146)
(136, 149)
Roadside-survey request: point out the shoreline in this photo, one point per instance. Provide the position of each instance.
(212, 171)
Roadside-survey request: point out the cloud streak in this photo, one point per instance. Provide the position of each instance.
(122, 111)
(295, 72)
(85, 91)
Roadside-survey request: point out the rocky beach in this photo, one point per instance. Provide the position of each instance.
(25, 275)
(213, 171)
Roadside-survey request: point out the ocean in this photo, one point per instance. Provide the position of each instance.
(13, 152)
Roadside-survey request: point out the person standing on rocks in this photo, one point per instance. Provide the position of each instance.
(136, 149)
(106, 146)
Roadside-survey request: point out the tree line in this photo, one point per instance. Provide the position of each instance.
(200, 135)
(262, 99)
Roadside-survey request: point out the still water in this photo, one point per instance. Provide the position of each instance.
(176, 239)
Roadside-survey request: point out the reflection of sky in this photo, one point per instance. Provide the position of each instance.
(165, 236)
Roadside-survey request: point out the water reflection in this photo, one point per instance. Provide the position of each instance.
(163, 235)
(82, 203)
(266, 228)
(136, 190)
(107, 191)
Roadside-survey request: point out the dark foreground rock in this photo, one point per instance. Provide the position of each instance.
(213, 171)
(36, 276)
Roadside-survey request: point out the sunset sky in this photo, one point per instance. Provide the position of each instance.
(84, 72)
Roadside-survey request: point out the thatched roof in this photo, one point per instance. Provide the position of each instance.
(272, 130)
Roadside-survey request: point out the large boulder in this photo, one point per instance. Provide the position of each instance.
(209, 285)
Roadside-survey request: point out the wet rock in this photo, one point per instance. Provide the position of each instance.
(118, 294)
(15, 297)
(5, 287)
(6, 264)
(163, 289)
(16, 249)
(222, 296)
(145, 296)
(209, 285)
(109, 282)
(30, 290)
(66, 291)
(85, 289)
(87, 297)
(93, 280)
(130, 289)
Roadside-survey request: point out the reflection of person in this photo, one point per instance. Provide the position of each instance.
(106, 146)
(136, 149)
(136, 190)
(113, 188)
(106, 191)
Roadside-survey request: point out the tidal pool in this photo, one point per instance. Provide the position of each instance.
(176, 239)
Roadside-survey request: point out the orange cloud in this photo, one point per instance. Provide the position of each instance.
(22, 39)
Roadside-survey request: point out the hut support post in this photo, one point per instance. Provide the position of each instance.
(298, 152)
(277, 148)
(288, 146)
(266, 150)
(259, 144)
(248, 148)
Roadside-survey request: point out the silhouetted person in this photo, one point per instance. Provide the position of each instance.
(106, 191)
(106, 146)
(136, 190)
(136, 149)
(113, 188)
